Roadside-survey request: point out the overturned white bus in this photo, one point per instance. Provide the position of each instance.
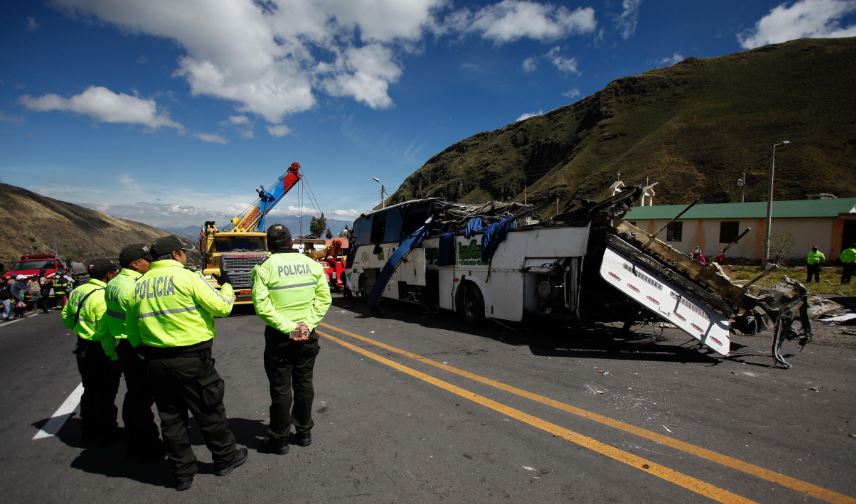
(586, 266)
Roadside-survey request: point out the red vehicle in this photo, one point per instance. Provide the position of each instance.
(32, 265)
(332, 258)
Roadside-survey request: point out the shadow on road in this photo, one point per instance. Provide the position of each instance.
(544, 337)
(111, 460)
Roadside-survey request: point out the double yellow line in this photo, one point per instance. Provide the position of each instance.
(665, 473)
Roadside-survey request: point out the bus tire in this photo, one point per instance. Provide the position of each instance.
(470, 303)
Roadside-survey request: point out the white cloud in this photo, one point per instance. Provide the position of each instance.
(563, 64)
(529, 115)
(676, 57)
(105, 105)
(346, 213)
(364, 73)
(10, 118)
(530, 65)
(129, 183)
(806, 18)
(260, 54)
(241, 120)
(629, 18)
(278, 130)
(271, 58)
(571, 93)
(32, 24)
(211, 138)
(510, 20)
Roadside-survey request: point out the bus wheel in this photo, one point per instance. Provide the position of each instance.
(470, 303)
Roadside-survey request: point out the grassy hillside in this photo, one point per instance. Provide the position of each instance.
(32, 223)
(693, 127)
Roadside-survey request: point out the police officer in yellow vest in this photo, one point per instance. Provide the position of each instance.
(173, 316)
(96, 356)
(848, 263)
(813, 261)
(291, 295)
(141, 433)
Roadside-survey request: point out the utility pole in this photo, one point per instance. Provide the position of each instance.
(770, 204)
(382, 192)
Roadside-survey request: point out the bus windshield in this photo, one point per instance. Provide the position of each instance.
(240, 244)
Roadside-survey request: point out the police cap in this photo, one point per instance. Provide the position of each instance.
(164, 245)
(99, 268)
(132, 252)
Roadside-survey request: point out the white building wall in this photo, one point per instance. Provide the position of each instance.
(804, 233)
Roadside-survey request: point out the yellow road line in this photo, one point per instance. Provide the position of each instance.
(675, 477)
(719, 458)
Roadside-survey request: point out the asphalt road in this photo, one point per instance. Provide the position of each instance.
(417, 407)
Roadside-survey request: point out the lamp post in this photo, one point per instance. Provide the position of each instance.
(382, 192)
(770, 204)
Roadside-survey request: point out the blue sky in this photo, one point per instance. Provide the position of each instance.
(172, 112)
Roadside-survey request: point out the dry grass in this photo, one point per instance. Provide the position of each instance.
(829, 279)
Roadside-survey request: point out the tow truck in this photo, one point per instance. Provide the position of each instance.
(242, 244)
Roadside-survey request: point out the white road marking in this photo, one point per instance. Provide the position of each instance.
(17, 320)
(66, 409)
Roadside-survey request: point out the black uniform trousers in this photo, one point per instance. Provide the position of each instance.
(847, 272)
(289, 366)
(100, 379)
(141, 432)
(184, 379)
(813, 271)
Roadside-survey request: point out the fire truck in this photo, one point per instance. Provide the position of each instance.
(33, 264)
(242, 244)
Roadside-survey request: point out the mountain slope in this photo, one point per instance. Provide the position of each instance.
(33, 223)
(693, 127)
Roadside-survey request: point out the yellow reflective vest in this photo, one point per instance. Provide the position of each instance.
(118, 296)
(848, 256)
(289, 288)
(173, 306)
(815, 258)
(90, 325)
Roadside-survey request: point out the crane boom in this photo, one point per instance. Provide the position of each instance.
(253, 218)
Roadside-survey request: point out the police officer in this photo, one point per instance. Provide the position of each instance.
(141, 433)
(174, 308)
(96, 357)
(848, 263)
(291, 295)
(813, 261)
(60, 287)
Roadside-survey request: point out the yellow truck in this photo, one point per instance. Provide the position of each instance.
(243, 244)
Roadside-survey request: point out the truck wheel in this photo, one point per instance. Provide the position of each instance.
(470, 303)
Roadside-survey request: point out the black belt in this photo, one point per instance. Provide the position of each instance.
(201, 350)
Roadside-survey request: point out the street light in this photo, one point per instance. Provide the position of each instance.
(770, 204)
(382, 191)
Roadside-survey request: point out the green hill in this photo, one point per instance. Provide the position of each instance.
(693, 127)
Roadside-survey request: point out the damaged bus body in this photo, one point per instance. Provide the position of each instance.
(587, 266)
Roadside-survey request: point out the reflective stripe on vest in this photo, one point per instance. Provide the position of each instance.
(166, 312)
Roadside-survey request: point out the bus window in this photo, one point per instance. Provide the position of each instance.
(392, 232)
(362, 231)
(378, 227)
(414, 217)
